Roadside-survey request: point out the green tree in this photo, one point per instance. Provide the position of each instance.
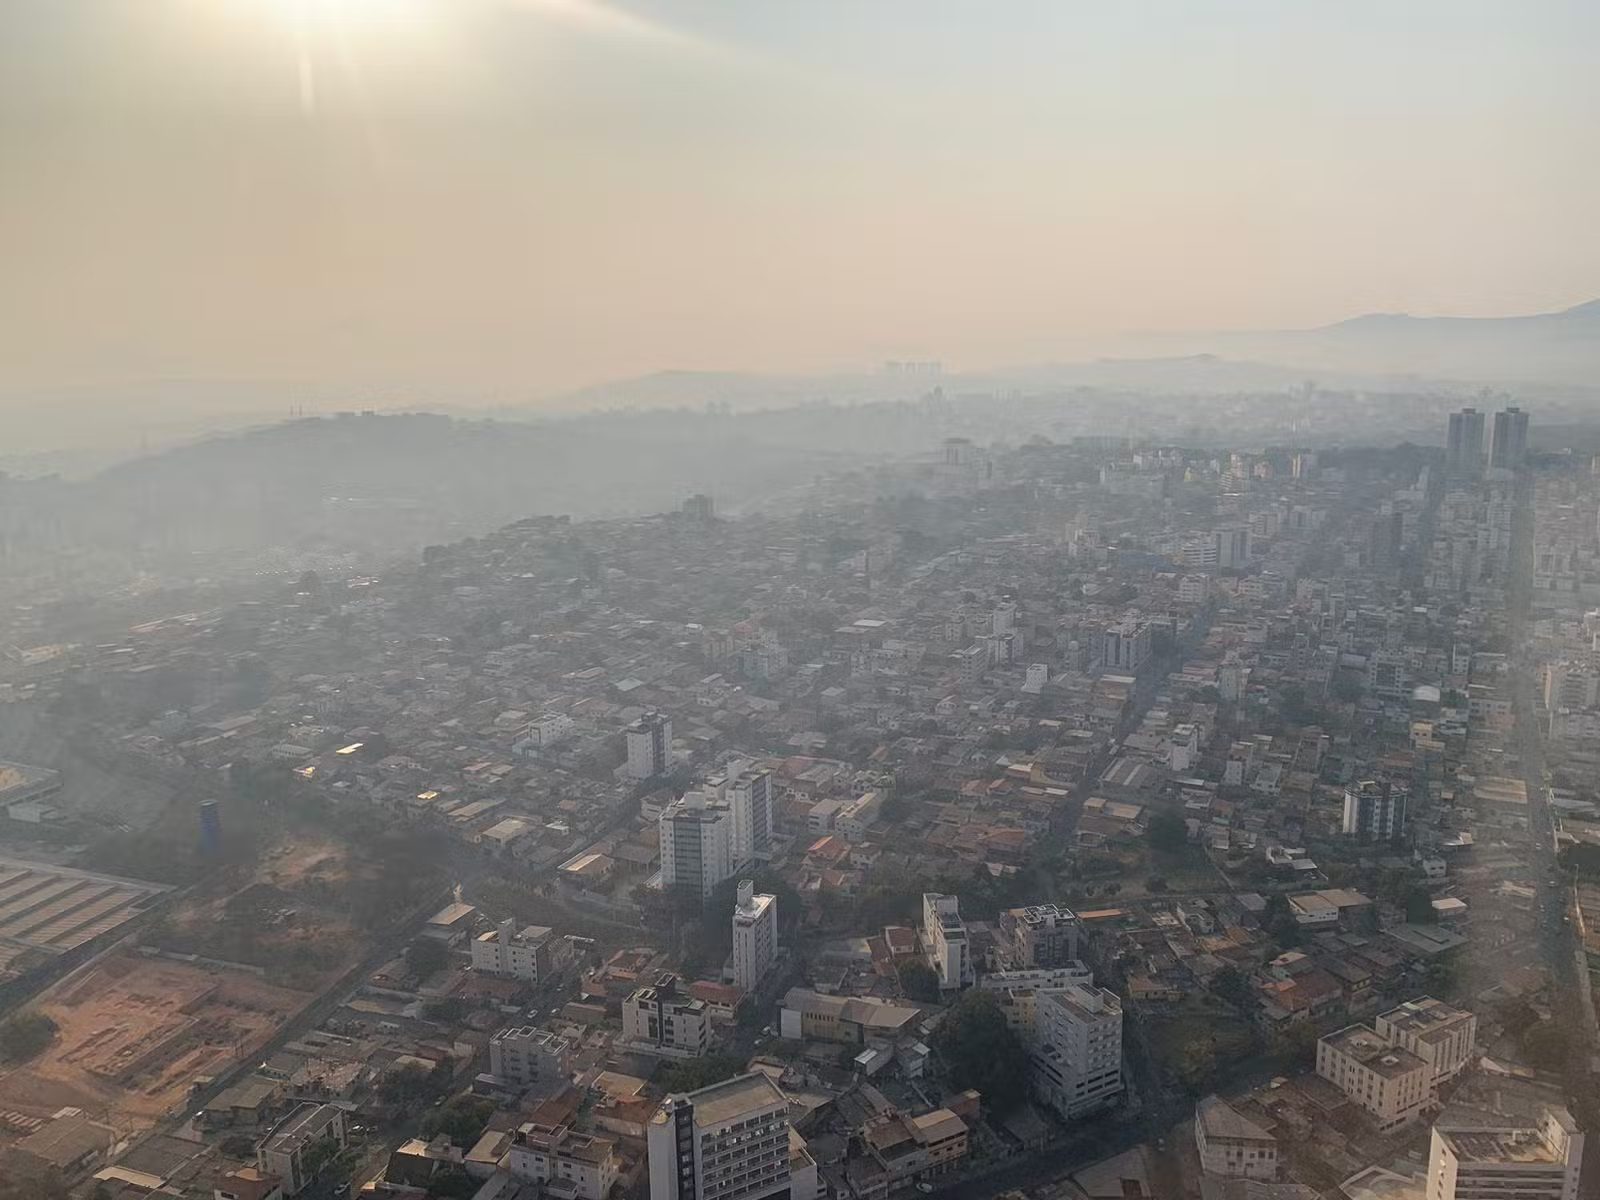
(918, 981)
(25, 1035)
(1278, 920)
(1546, 1046)
(1169, 832)
(1196, 1063)
(982, 1051)
(408, 1087)
(426, 957)
(1231, 984)
(1419, 907)
(692, 1074)
(461, 1119)
(452, 1183)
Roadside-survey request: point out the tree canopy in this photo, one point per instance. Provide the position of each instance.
(982, 1051)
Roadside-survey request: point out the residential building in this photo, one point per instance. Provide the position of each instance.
(697, 851)
(1518, 1160)
(247, 1183)
(749, 796)
(1375, 810)
(1075, 1052)
(908, 1150)
(292, 1150)
(524, 953)
(1037, 978)
(859, 815)
(1126, 646)
(944, 938)
(1435, 1032)
(1232, 1145)
(755, 936)
(1389, 1082)
(729, 1141)
(649, 742)
(570, 1165)
(530, 1057)
(1040, 935)
(662, 1020)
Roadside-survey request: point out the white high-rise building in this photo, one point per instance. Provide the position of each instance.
(755, 936)
(1075, 1050)
(749, 796)
(944, 937)
(649, 746)
(729, 1141)
(696, 843)
(1517, 1160)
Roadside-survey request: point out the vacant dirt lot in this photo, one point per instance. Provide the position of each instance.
(135, 1032)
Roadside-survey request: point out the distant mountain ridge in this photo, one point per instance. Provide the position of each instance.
(1561, 347)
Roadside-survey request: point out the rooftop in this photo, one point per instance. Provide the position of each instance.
(1366, 1047)
(741, 1096)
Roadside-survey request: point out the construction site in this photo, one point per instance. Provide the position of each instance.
(136, 1031)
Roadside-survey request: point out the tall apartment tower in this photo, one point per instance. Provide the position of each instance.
(749, 795)
(1040, 935)
(649, 746)
(1375, 810)
(1517, 1160)
(755, 936)
(729, 1141)
(1463, 456)
(944, 936)
(1076, 1049)
(1510, 444)
(696, 843)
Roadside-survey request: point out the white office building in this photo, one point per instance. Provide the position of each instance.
(944, 938)
(1517, 1160)
(649, 746)
(697, 843)
(755, 936)
(1075, 1052)
(729, 1141)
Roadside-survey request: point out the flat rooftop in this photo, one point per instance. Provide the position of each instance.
(1366, 1047)
(1425, 1016)
(1497, 1146)
(736, 1097)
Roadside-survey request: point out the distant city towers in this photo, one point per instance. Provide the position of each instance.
(1510, 444)
(1463, 456)
(210, 828)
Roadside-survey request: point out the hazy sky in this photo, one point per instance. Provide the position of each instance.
(528, 194)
